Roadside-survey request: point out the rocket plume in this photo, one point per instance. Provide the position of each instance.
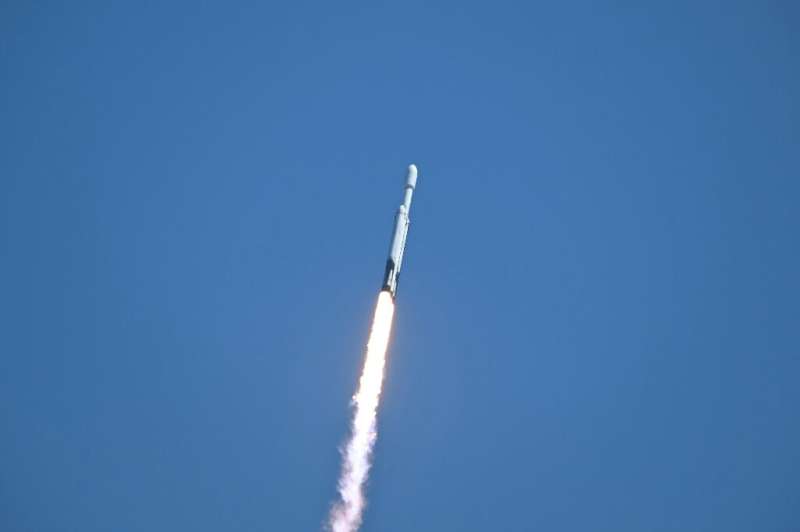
(345, 516)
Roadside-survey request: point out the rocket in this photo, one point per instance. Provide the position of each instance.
(399, 234)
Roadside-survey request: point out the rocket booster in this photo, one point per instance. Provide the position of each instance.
(399, 234)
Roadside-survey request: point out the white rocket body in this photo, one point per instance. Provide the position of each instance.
(398, 244)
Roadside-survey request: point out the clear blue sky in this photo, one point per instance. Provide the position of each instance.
(597, 326)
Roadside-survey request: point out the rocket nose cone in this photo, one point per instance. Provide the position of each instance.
(411, 179)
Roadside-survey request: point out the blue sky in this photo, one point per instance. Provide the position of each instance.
(597, 326)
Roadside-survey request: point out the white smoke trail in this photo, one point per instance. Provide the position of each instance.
(345, 515)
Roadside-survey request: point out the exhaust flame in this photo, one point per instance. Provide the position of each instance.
(345, 515)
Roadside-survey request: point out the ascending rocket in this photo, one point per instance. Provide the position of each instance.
(398, 244)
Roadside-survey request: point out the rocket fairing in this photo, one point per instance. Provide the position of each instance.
(399, 234)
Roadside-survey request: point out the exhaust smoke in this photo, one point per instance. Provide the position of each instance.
(346, 514)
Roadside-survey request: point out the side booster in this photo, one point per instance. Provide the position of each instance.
(398, 244)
